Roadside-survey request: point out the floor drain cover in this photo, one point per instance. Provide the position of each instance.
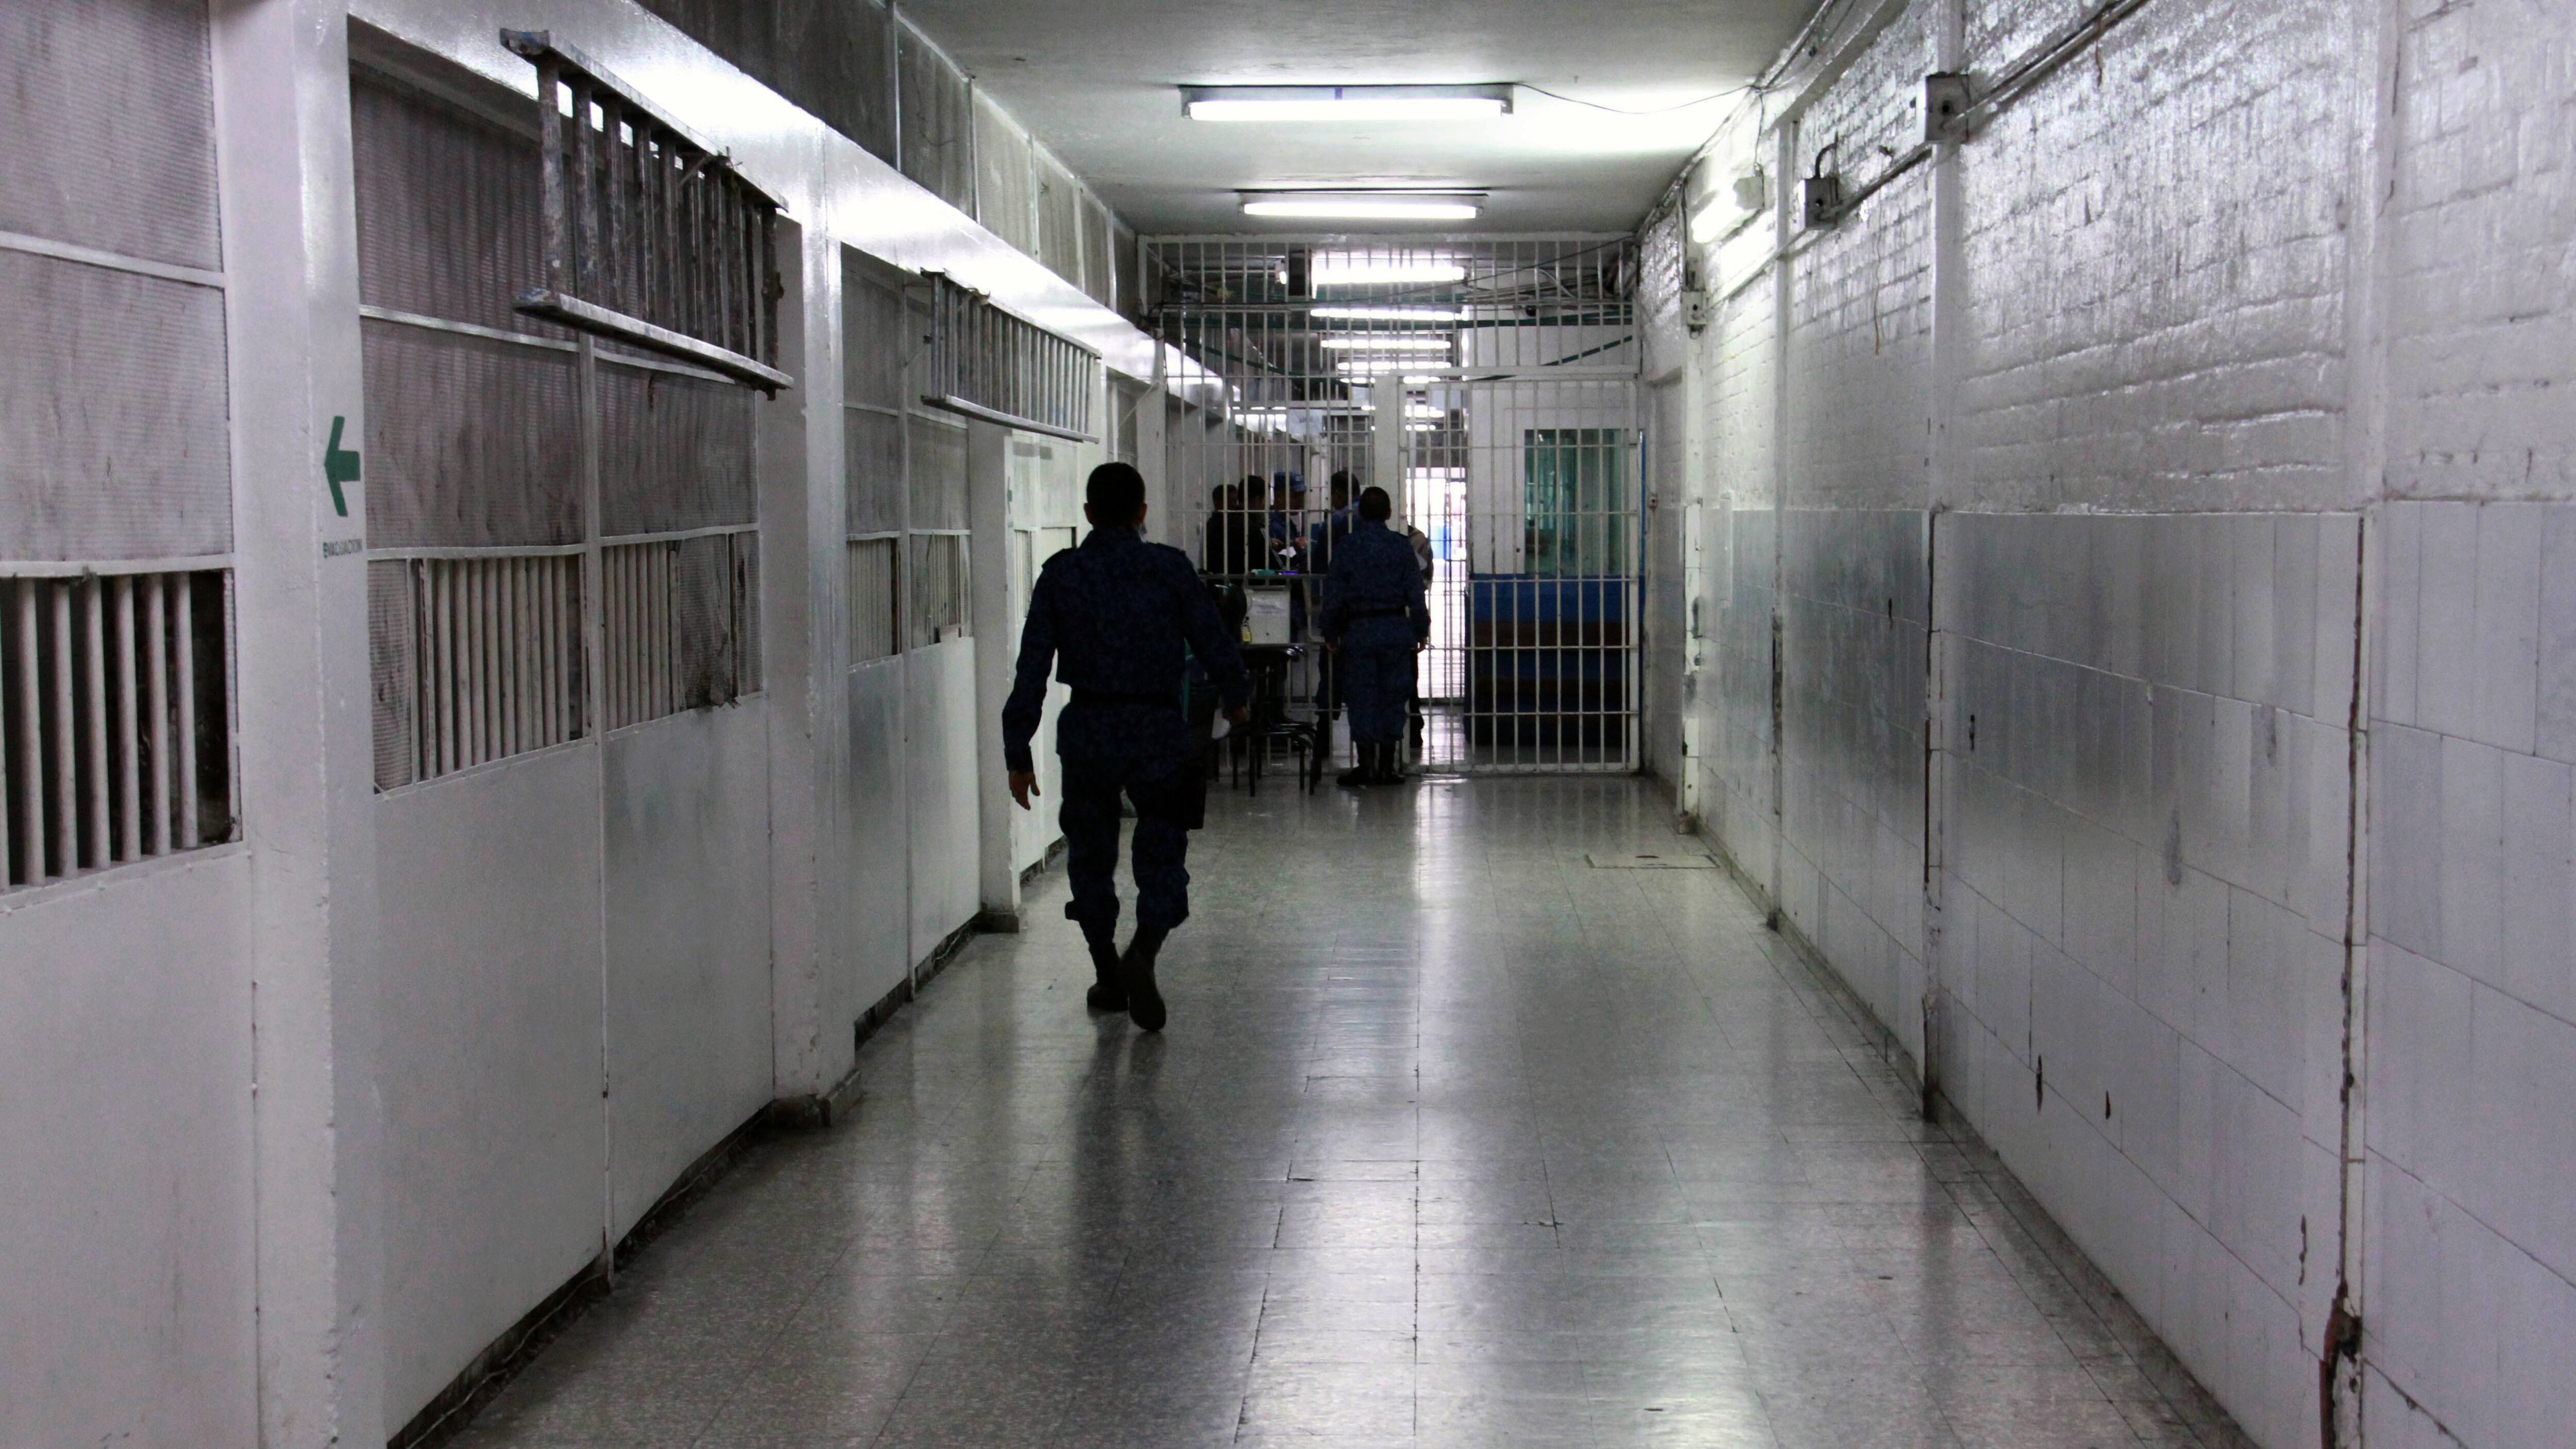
(1671, 860)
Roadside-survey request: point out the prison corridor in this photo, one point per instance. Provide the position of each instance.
(1489, 1114)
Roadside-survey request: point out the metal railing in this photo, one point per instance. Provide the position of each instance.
(982, 362)
(651, 236)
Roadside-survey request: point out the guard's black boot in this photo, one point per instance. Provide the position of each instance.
(1363, 773)
(1109, 993)
(1144, 1001)
(1390, 767)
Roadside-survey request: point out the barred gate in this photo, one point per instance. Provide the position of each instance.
(1490, 386)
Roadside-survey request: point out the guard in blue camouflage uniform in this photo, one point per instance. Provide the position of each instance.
(1111, 618)
(1376, 616)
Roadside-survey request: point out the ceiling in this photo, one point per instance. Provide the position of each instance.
(1097, 80)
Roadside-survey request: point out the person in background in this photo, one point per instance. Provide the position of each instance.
(1422, 555)
(1119, 620)
(1332, 527)
(1227, 545)
(1376, 616)
(1327, 531)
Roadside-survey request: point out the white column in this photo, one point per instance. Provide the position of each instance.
(997, 642)
(281, 74)
(804, 643)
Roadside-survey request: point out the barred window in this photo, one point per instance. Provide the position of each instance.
(116, 531)
(488, 562)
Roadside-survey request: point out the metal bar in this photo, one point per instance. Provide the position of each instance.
(552, 199)
(442, 626)
(129, 734)
(770, 292)
(184, 636)
(101, 846)
(591, 317)
(585, 203)
(66, 762)
(31, 736)
(156, 659)
(614, 254)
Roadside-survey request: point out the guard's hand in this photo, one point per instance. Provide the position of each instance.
(1024, 783)
(1236, 714)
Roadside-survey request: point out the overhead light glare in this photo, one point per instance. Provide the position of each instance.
(1381, 272)
(1345, 103)
(1389, 314)
(1387, 342)
(1364, 206)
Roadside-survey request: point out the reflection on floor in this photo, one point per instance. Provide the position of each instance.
(1454, 1140)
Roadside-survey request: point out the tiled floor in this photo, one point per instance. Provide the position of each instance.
(1454, 1140)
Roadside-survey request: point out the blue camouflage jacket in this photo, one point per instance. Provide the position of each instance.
(1374, 598)
(1111, 618)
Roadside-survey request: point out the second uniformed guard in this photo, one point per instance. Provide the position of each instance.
(1376, 616)
(1111, 618)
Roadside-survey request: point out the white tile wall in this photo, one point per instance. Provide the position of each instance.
(2149, 552)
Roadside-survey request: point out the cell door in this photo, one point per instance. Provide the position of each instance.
(1490, 386)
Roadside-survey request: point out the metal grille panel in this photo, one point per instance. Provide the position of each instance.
(938, 124)
(875, 612)
(1002, 181)
(112, 407)
(938, 611)
(115, 720)
(109, 106)
(1489, 385)
(475, 659)
(471, 442)
(675, 452)
(938, 474)
(680, 621)
(448, 221)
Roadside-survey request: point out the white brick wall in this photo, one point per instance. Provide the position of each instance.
(2148, 519)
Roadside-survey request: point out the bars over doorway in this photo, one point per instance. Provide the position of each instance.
(1489, 385)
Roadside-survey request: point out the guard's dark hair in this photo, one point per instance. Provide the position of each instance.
(1375, 506)
(1341, 486)
(1116, 490)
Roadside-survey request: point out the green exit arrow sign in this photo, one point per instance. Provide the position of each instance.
(339, 465)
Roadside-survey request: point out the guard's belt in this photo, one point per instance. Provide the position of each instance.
(1111, 696)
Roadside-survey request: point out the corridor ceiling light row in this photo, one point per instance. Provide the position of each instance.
(1389, 314)
(1345, 103)
(1392, 342)
(1366, 205)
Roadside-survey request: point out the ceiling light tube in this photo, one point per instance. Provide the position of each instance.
(1345, 103)
(1378, 271)
(1389, 314)
(1386, 342)
(1365, 205)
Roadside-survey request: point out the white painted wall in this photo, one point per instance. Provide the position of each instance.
(496, 1170)
(297, 1126)
(2096, 452)
(129, 1190)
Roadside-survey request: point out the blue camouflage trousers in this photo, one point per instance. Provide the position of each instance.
(1375, 684)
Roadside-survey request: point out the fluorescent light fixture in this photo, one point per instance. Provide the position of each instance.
(1365, 205)
(1345, 103)
(1381, 271)
(1389, 314)
(1390, 342)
